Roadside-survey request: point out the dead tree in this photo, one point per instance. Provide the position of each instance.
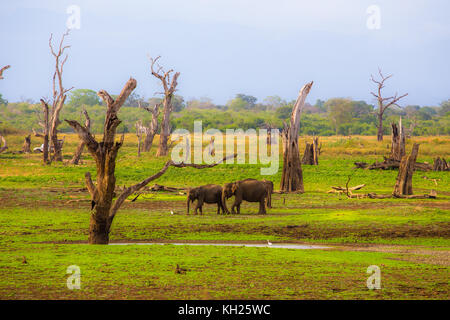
(398, 141)
(383, 103)
(79, 151)
(292, 177)
(269, 127)
(105, 152)
(211, 148)
(311, 154)
(59, 97)
(169, 85)
(27, 144)
(140, 130)
(3, 69)
(151, 130)
(440, 165)
(4, 147)
(45, 124)
(403, 185)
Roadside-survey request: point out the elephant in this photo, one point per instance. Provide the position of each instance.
(250, 190)
(209, 193)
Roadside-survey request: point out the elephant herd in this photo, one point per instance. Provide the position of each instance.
(250, 190)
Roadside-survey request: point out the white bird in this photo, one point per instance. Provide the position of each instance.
(171, 212)
(269, 243)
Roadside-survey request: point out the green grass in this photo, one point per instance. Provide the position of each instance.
(40, 221)
(147, 272)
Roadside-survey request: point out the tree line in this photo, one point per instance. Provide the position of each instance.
(335, 116)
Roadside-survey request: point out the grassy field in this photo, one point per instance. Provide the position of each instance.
(44, 216)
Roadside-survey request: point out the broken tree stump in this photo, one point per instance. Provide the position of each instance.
(403, 185)
(311, 155)
(292, 176)
(5, 146)
(440, 165)
(27, 144)
(398, 141)
(77, 155)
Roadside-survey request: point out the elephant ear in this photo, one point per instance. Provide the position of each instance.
(234, 186)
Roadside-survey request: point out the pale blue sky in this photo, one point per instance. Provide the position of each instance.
(224, 47)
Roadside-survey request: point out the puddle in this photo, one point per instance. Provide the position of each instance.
(275, 245)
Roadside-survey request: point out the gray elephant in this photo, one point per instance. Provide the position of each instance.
(209, 193)
(250, 190)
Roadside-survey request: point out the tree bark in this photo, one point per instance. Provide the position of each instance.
(169, 85)
(403, 185)
(310, 155)
(27, 144)
(4, 147)
(292, 176)
(78, 152)
(152, 129)
(44, 123)
(398, 141)
(380, 127)
(440, 165)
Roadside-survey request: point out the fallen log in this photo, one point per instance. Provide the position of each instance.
(158, 187)
(395, 164)
(432, 195)
(361, 165)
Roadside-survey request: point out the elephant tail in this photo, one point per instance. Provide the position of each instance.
(187, 203)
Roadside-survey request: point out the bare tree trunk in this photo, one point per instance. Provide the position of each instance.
(79, 151)
(380, 127)
(292, 176)
(59, 97)
(152, 129)
(44, 123)
(27, 144)
(139, 130)
(163, 149)
(169, 85)
(51, 120)
(398, 141)
(403, 185)
(383, 103)
(4, 147)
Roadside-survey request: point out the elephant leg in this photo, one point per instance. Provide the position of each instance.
(262, 207)
(200, 205)
(218, 207)
(232, 207)
(239, 208)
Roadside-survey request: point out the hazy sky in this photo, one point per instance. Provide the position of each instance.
(224, 47)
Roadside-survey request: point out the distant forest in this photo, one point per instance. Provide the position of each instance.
(336, 116)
